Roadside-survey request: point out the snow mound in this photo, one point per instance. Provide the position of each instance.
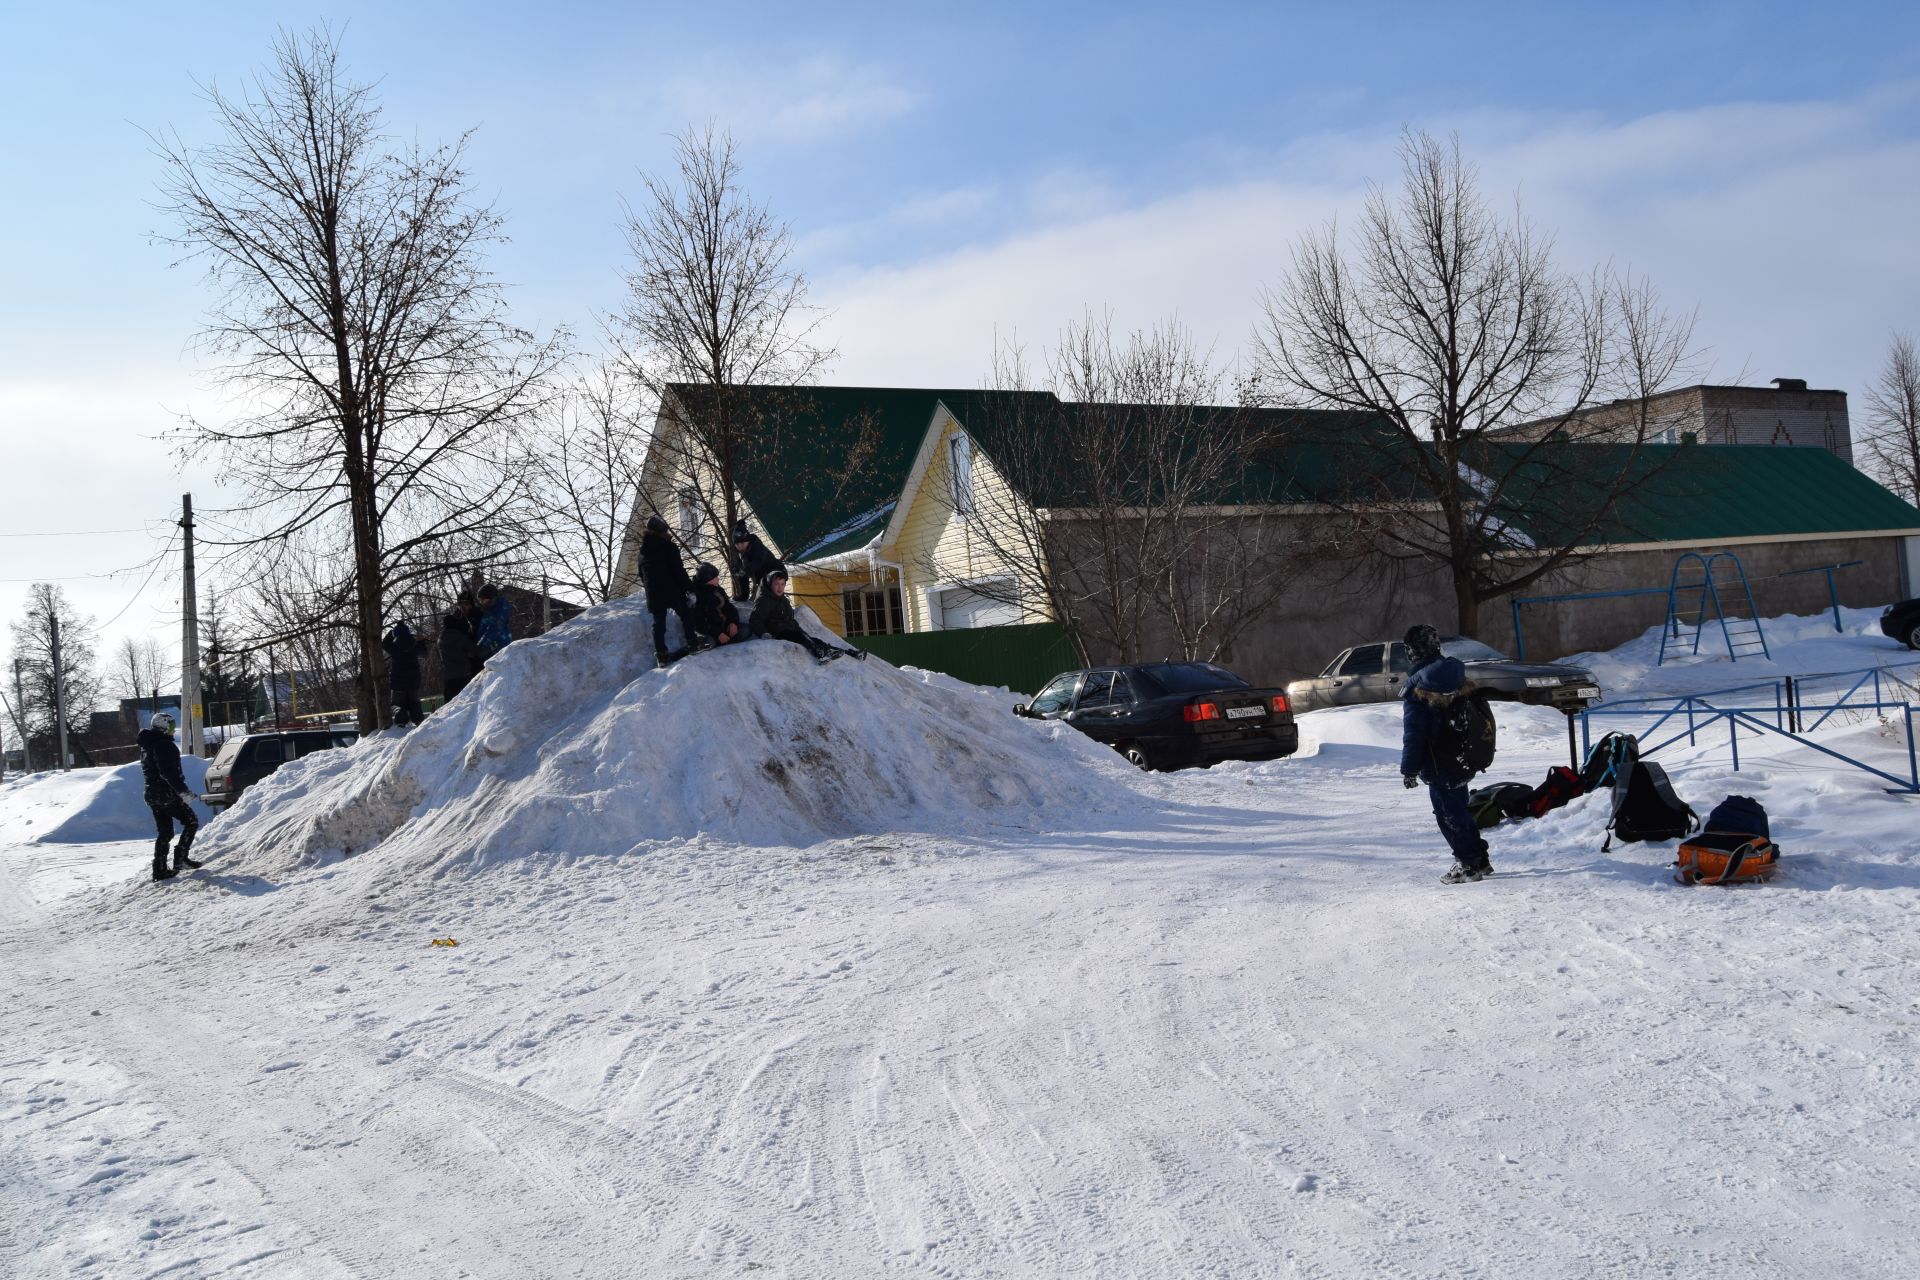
(1799, 645)
(86, 806)
(573, 744)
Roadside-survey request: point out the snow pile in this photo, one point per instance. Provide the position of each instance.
(87, 805)
(574, 744)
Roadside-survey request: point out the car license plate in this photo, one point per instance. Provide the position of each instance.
(1244, 713)
(1587, 691)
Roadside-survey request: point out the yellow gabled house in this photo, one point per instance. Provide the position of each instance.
(889, 516)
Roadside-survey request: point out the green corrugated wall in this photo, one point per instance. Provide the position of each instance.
(1023, 658)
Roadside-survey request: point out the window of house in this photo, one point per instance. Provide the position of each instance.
(872, 611)
(960, 460)
(689, 517)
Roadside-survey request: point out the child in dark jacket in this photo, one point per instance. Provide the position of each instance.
(773, 616)
(1435, 684)
(715, 619)
(756, 562)
(664, 575)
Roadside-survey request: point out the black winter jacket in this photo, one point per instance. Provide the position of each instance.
(712, 609)
(403, 658)
(663, 572)
(456, 646)
(757, 562)
(773, 615)
(160, 766)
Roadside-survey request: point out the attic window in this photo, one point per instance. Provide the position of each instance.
(960, 468)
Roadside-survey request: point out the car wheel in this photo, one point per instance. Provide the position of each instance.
(1913, 638)
(1137, 757)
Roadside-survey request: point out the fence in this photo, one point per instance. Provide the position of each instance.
(1790, 708)
(1023, 657)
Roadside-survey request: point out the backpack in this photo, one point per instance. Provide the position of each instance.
(1502, 800)
(1611, 757)
(1645, 807)
(1561, 785)
(1463, 745)
(1734, 848)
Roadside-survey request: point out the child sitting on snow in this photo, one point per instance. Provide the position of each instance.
(714, 618)
(773, 616)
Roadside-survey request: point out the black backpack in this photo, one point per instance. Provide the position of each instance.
(1464, 743)
(1611, 757)
(1739, 815)
(1645, 807)
(1493, 804)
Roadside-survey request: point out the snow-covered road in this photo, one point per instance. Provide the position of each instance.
(1234, 1027)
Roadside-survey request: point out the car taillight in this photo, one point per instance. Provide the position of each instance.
(1201, 711)
(1279, 704)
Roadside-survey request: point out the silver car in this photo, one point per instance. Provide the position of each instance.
(1378, 672)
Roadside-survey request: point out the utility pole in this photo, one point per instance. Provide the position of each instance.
(59, 692)
(191, 737)
(546, 606)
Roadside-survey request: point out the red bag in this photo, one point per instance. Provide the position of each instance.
(1562, 785)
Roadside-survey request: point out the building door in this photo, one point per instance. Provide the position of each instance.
(961, 608)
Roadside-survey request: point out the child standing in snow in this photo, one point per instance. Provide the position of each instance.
(167, 796)
(715, 619)
(1436, 683)
(665, 576)
(773, 616)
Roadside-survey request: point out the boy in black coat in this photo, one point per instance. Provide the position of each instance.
(665, 575)
(773, 616)
(458, 657)
(715, 619)
(403, 673)
(756, 562)
(167, 795)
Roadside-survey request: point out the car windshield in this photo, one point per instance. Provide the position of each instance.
(1190, 677)
(1471, 651)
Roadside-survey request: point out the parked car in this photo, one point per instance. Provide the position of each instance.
(1902, 622)
(1377, 673)
(1170, 715)
(243, 761)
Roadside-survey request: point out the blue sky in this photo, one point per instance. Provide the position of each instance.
(956, 171)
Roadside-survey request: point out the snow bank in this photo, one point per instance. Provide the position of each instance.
(84, 806)
(1800, 645)
(574, 744)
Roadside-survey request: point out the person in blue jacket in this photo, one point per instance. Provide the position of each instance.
(1436, 683)
(495, 629)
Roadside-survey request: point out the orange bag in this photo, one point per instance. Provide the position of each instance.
(1721, 857)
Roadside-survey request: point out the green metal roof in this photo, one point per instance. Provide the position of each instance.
(1690, 493)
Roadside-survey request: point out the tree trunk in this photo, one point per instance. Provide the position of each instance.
(1466, 602)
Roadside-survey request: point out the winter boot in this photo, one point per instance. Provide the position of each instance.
(181, 862)
(1464, 874)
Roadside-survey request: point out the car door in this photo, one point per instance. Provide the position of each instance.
(1056, 699)
(1360, 677)
(1311, 695)
(1094, 712)
(261, 757)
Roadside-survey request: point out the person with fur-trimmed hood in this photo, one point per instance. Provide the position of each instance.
(167, 796)
(665, 575)
(715, 619)
(773, 616)
(756, 562)
(1435, 684)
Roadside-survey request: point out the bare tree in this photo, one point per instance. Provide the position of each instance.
(378, 375)
(140, 667)
(1893, 418)
(1470, 362)
(1133, 501)
(715, 322)
(78, 686)
(586, 472)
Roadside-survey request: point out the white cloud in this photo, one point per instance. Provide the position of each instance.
(1790, 225)
(814, 100)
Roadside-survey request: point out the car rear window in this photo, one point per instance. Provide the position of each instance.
(228, 753)
(1190, 677)
(1471, 651)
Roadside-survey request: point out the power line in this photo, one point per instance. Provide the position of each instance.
(71, 533)
(157, 562)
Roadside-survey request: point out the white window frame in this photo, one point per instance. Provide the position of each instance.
(689, 518)
(960, 473)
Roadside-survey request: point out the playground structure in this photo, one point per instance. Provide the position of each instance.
(1697, 604)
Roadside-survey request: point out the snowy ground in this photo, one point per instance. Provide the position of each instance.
(1097, 1023)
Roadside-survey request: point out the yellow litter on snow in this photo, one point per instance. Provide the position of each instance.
(445, 942)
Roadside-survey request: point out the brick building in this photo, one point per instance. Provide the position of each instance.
(1787, 413)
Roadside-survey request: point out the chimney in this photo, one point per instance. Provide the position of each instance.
(1790, 384)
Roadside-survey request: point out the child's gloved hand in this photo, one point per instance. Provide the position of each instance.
(1409, 781)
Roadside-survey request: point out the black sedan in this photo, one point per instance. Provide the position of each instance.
(1377, 673)
(1902, 622)
(1170, 715)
